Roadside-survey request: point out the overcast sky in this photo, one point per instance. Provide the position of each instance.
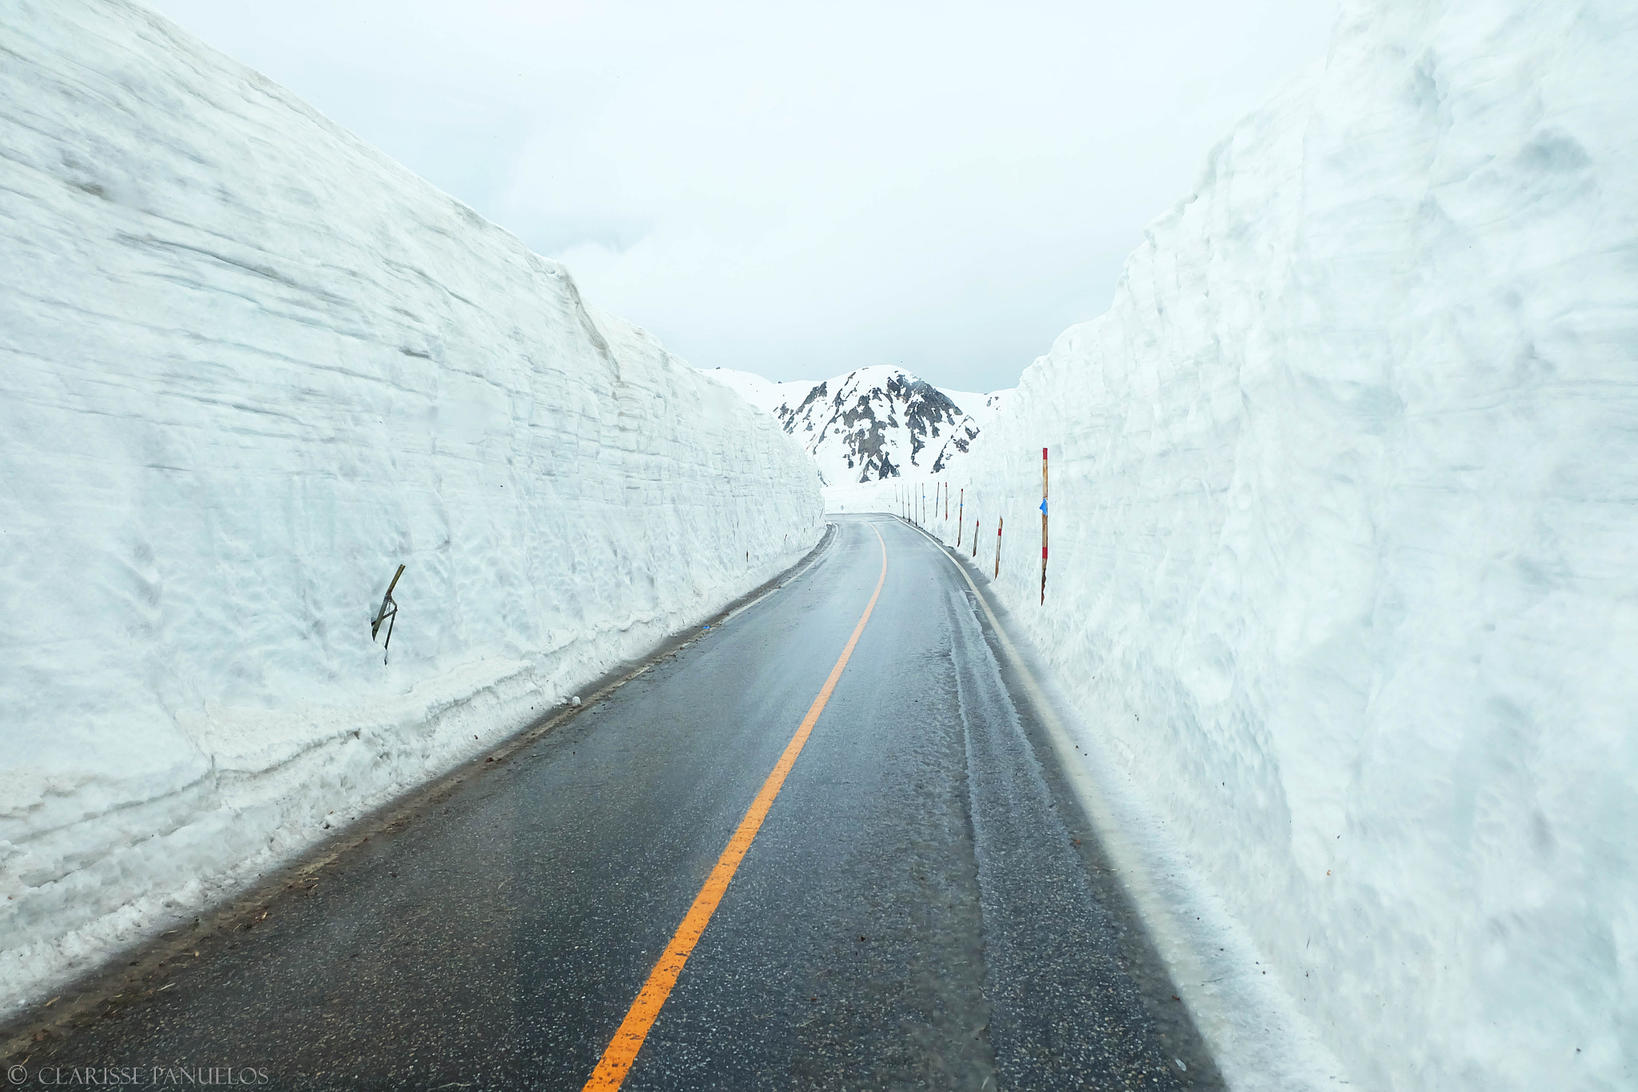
(801, 190)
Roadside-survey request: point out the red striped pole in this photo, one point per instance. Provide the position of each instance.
(998, 525)
(1043, 523)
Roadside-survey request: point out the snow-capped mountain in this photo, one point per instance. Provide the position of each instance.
(872, 423)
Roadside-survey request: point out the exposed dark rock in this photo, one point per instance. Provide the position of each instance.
(878, 423)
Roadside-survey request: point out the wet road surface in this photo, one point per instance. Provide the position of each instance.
(923, 906)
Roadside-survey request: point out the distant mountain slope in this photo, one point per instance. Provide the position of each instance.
(763, 393)
(872, 423)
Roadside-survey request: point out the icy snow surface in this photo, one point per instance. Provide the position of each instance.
(248, 365)
(1344, 509)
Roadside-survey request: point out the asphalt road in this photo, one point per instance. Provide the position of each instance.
(923, 906)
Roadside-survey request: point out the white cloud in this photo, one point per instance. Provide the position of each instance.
(798, 190)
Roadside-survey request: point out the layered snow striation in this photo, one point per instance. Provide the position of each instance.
(248, 366)
(1344, 501)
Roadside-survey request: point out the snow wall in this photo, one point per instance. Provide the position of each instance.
(1344, 511)
(248, 365)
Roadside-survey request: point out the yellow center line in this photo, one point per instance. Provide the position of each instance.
(628, 1040)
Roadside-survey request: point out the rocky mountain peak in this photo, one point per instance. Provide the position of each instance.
(877, 423)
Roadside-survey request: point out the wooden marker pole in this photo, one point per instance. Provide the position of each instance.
(961, 515)
(998, 525)
(1043, 523)
(975, 536)
(946, 502)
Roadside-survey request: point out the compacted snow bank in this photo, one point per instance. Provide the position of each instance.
(248, 366)
(1344, 502)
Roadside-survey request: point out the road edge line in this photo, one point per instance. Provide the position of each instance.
(1162, 901)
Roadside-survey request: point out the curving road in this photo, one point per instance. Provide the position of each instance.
(922, 906)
